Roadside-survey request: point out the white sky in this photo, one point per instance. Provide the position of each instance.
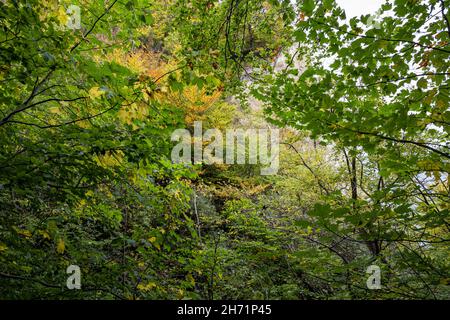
(358, 7)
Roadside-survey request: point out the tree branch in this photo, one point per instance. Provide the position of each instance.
(447, 22)
(26, 107)
(93, 26)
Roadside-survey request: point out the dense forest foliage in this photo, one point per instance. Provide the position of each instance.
(86, 176)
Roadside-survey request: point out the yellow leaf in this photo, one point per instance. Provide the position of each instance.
(190, 278)
(124, 115)
(84, 124)
(153, 241)
(55, 110)
(44, 234)
(62, 16)
(110, 159)
(25, 233)
(3, 247)
(146, 287)
(180, 293)
(61, 246)
(95, 92)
